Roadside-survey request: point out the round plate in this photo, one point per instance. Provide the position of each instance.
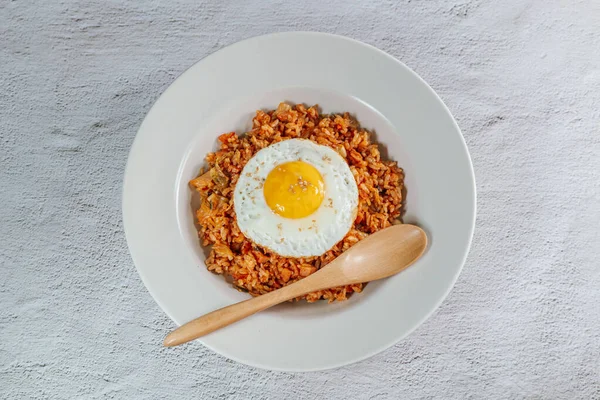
(220, 94)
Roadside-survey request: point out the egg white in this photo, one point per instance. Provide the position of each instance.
(302, 237)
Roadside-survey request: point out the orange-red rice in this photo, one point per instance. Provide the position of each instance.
(258, 270)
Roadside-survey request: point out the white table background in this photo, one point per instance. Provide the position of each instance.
(522, 78)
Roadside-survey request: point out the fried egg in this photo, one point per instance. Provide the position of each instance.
(296, 198)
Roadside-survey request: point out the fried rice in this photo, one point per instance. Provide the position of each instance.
(258, 270)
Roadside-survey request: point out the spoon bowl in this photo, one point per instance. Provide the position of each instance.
(378, 256)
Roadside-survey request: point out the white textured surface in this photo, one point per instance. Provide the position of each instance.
(522, 78)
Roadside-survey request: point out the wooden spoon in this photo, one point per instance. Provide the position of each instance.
(378, 256)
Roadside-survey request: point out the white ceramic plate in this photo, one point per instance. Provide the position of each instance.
(220, 94)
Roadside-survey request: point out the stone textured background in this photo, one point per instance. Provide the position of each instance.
(522, 78)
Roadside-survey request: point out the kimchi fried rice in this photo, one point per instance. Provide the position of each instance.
(258, 270)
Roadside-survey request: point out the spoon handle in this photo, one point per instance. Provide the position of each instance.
(228, 315)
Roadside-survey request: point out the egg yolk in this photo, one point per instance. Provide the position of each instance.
(294, 189)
